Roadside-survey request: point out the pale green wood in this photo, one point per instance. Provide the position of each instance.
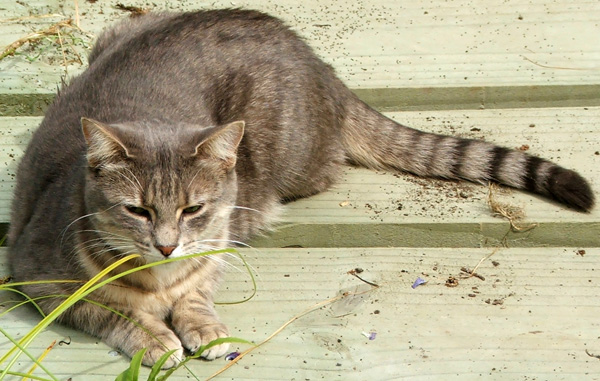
(372, 44)
(363, 209)
(542, 329)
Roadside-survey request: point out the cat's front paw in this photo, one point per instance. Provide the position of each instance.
(197, 337)
(155, 350)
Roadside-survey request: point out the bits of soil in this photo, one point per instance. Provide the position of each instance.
(495, 302)
(451, 282)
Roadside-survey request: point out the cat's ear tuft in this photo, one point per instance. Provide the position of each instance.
(223, 143)
(105, 145)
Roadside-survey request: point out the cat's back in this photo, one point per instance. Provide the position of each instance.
(204, 68)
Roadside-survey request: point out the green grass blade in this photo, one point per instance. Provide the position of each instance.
(220, 341)
(35, 360)
(159, 364)
(28, 300)
(133, 372)
(251, 277)
(198, 353)
(72, 299)
(24, 375)
(94, 284)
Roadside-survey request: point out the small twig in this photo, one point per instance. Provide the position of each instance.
(77, 13)
(486, 258)
(62, 50)
(354, 272)
(558, 67)
(592, 355)
(472, 273)
(26, 18)
(134, 11)
(36, 36)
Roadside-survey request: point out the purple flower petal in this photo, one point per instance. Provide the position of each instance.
(418, 282)
(232, 356)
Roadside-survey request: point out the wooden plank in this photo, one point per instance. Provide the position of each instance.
(534, 316)
(375, 44)
(384, 209)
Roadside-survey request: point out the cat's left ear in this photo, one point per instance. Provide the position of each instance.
(222, 143)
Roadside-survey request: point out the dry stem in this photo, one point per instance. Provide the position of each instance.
(36, 36)
(511, 212)
(293, 319)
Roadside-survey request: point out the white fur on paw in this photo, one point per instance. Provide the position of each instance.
(216, 351)
(196, 338)
(156, 351)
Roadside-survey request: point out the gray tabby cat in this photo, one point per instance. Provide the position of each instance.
(185, 134)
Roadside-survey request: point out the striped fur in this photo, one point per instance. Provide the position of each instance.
(374, 141)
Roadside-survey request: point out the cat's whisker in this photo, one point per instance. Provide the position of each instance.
(137, 181)
(246, 208)
(233, 256)
(64, 231)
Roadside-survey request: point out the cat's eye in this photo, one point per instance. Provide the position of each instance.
(138, 211)
(192, 209)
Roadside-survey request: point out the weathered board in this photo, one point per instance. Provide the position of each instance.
(534, 316)
(427, 54)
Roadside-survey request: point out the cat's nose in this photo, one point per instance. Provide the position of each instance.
(166, 250)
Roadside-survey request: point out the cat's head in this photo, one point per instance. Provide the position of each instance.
(161, 190)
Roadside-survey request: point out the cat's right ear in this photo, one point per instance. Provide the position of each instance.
(104, 143)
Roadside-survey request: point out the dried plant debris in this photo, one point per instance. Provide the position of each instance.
(6, 279)
(133, 11)
(592, 355)
(62, 42)
(471, 273)
(35, 37)
(354, 272)
(451, 282)
(512, 213)
(500, 301)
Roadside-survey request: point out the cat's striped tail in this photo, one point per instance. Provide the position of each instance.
(374, 141)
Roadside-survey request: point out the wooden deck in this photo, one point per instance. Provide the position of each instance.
(519, 75)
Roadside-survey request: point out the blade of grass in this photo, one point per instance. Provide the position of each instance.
(72, 299)
(39, 359)
(202, 349)
(251, 277)
(27, 354)
(93, 285)
(133, 372)
(27, 300)
(24, 375)
(159, 364)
